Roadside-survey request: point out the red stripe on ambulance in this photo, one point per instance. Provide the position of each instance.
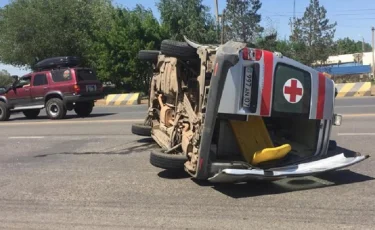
(265, 109)
(321, 96)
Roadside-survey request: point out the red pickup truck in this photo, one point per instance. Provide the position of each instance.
(58, 86)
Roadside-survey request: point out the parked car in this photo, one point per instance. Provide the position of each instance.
(231, 113)
(59, 85)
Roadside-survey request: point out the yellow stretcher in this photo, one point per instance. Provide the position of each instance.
(255, 143)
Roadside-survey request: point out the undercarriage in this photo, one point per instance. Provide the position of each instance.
(177, 103)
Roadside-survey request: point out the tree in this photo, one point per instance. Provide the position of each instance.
(116, 49)
(190, 18)
(313, 34)
(242, 20)
(349, 46)
(5, 78)
(33, 29)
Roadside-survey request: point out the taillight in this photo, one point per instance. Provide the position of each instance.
(252, 54)
(100, 87)
(77, 89)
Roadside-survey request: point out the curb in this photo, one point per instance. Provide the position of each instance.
(357, 89)
(120, 99)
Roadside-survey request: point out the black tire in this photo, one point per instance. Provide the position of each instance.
(32, 113)
(55, 109)
(178, 49)
(141, 130)
(83, 109)
(167, 161)
(148, 55)
(4, 112)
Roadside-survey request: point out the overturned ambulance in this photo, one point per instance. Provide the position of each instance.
(229, 113)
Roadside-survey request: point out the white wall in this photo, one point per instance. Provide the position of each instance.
(346, 58)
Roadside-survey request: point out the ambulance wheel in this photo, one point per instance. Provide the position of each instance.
(163, 160)
(148, 55)
(141, 130)
(178, 49)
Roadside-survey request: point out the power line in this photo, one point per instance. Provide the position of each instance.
(347, 14)
(358, 18)
(351, 26)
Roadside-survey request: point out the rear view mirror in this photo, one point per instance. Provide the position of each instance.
(337, 119)
(15, 81)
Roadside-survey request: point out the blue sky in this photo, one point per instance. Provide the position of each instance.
(354, 17)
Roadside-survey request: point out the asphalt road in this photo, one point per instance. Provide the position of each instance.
(93, 174)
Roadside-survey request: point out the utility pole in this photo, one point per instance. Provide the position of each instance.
(363, 44)
(223, 27)
(373, 50)
(217, 18)
(291, 25)
(294, 13)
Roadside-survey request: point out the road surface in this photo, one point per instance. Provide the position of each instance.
(93, 174)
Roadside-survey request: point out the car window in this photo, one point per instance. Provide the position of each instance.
(85, 75)
(40, 79)
(24, 81)
(61, 75)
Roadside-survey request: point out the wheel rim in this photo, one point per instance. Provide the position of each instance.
(54, 110)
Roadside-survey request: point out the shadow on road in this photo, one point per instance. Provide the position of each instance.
(68, 117)
(261, 188)
(173, 174)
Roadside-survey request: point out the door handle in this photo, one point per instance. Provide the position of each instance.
(45, 87)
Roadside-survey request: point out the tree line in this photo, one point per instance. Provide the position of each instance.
(108, 37)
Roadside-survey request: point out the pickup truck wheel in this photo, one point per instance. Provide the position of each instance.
(32, 113)
(178, 49)
(55, 109)
(141, 130)
(4, 112)
(167, 161)
(83, 109)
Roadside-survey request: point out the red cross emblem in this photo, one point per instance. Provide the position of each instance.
(293, 90)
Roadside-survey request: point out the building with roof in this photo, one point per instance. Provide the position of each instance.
(348, 64)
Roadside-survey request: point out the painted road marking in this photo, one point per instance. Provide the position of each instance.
(354, 106)
(26, 137)
(356, 134)
(365, 88)
(69, 122)
(353, 98)
(359, 115)
(345, 89)
(132, 99)
(74, 136)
